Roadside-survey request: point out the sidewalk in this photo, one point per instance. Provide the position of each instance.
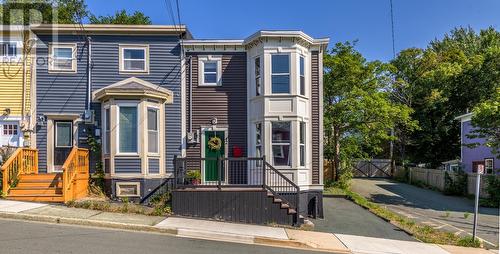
(222, 231)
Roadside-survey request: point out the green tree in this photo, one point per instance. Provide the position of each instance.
(486, 120)
(26, 12)
(358, 110)
(441, 82)
(121, 17)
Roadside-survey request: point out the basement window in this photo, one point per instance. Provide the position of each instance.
(128, 189)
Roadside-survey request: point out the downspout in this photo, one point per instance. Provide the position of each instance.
(89, 76)
(190, 94)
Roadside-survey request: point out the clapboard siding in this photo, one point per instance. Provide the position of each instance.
(66, 93)
(315, 117)
(228, 103)
(154, 165)
(127, 165)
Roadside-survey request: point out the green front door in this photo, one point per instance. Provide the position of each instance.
(213, 150)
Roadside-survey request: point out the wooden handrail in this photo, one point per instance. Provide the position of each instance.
(22, 161)
(75, 174)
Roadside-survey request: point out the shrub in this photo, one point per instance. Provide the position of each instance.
(493, 190)
(456, 185)
(468, 241)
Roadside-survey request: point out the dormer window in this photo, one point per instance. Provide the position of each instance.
(280, 74)
(210, 71)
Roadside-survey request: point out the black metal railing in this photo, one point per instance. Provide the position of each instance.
(251, 172)
(218, 172)
(281, 187)
(165, 187)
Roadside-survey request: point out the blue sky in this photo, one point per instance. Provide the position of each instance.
(416, 21)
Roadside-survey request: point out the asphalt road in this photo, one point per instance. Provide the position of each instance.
(345, 217)
(454, 214)
(32, 237)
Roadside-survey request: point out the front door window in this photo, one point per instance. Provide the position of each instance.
(63, 143)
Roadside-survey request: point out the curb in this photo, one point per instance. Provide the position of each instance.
(180, 232)
(92, 223)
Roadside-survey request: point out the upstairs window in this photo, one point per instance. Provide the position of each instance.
(488, 166)
(258, 88)
(210, 69)
(8, 49)
(63, 57)
(281, 143)
(134, 59)
(302, 77)
(153, 130)
(280, 74)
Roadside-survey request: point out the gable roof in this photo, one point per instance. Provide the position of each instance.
(133, 87)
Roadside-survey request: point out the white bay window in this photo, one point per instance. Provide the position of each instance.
(127, 129)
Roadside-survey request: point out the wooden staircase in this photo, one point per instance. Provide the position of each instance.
(38, 188)
(21, 180)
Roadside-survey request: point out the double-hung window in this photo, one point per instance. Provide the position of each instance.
(302, 144)
(8, 49)
(302, 77)
(134, 58)
(258, 89)
(127, 129)
(153, 131)
(488, 166)
(258, 140)
(280, 74)
(281, 143)
(107, 130)
(62, 57)
(210, 68)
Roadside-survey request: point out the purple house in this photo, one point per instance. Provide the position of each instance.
(472, 158)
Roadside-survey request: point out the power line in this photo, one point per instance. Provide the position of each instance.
(392, 30)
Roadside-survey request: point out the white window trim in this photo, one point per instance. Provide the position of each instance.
(257, 145)
(201, 70)
(158, 127)
(299, 76)
(258, 77)
(70, 137)
(19, 52)
(122, 59)
(289, 143)
(118, 106)
(289, 74)
(492, 166)
(118, 188)
(104, 126)
(303, 144)
(73, 57)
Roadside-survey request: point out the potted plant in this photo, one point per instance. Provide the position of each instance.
(194, 176)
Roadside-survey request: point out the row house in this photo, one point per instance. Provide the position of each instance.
(230, 127)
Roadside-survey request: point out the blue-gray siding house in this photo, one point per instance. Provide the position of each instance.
(145, 61)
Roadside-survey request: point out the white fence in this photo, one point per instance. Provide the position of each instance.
(435, 178)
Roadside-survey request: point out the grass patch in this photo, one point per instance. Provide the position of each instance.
(334, 191)
(423, 233)
(119, 207)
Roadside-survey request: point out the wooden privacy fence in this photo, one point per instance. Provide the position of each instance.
(436, 178)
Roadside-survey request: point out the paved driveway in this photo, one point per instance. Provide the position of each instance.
(345, 217)
(431, 207)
